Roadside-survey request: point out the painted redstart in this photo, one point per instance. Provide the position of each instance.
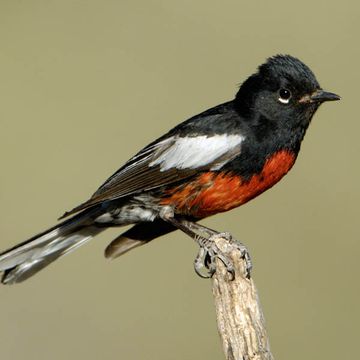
(211, 163)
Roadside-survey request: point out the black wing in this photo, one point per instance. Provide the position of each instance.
(174, 157)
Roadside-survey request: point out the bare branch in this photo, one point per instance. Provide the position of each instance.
(239, 316)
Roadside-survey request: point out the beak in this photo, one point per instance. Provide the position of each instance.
(321, 96)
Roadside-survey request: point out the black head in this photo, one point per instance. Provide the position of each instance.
(284, 91)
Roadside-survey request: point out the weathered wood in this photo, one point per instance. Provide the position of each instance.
(239, 316)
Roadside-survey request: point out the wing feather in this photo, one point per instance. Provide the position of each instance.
(168, 160)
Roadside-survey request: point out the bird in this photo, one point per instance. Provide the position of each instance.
(211, 163)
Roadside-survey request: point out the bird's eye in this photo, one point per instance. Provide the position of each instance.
(284, 96)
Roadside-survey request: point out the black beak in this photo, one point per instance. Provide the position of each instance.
(321, 96)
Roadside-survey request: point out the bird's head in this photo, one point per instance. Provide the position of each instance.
(284, 90)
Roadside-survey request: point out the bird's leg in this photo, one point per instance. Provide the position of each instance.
(209, 251)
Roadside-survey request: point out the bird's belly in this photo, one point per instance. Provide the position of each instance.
(215, 192)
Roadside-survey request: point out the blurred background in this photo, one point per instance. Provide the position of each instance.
(86, 84)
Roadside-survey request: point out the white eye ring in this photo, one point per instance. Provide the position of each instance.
(284, 101)
(284, 96)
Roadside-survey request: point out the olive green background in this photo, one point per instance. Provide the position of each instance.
(84, 85)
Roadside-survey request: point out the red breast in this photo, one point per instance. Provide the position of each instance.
(214, 192)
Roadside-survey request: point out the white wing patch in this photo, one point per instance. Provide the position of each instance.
(198, 151)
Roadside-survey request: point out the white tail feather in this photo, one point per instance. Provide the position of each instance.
(28, 258)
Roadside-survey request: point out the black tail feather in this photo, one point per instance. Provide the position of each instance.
(27, 258)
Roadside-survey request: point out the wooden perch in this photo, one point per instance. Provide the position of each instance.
(239, 316)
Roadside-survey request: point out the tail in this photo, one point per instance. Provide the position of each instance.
(29, 257)
(139, 234)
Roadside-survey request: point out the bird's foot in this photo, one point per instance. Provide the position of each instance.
(205, 262)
